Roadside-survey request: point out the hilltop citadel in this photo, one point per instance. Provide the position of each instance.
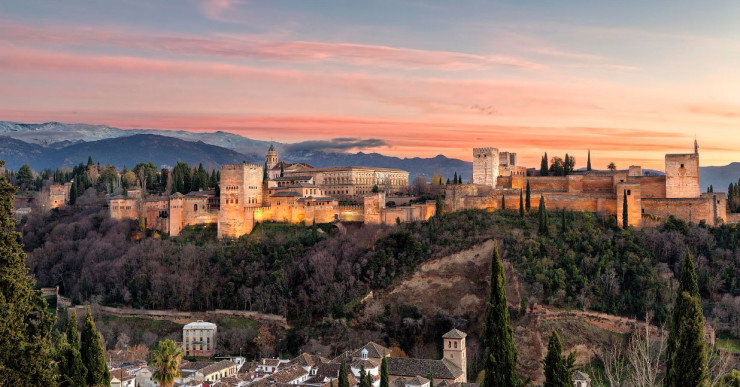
(283, 192)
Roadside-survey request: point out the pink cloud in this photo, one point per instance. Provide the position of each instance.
(267, 50)
(214, 9)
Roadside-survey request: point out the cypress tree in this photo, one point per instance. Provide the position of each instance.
(686, 283)
(264, 172)
(588, 163)
(448, 181)
(73, 338)
(543, 229)
(521, 205)
(71, 370)
(25, 325)
(430, 376)
(558, 369)
(544, 166)
(93, 354)
(343, 378)
(503, 202)
(384, 373)
(281, 170)
(454, 178)
(689, 358)
(439, 206)
(363, 377)
(528, 201)
(499, 361)
(89, 161)
(625, 213)
(73, 193)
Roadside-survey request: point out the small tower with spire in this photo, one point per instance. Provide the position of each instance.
(271, 159)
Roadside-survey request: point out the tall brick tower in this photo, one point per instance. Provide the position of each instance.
(241, 188)
(682, 174)
(485, 166)
(271, 158)
(454, 350)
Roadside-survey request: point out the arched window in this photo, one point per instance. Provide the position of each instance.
(195, 207)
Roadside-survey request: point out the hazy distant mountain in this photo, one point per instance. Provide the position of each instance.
(719, 177)
(58, 135)
(417, 166)
(129, 150)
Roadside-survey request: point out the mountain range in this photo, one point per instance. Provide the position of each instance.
(55, 144)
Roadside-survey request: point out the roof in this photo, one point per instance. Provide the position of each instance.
(292, 178)
(272, 148)
(374, 350)
(317, 199)
(200, 194)
(270, 362)
(288, 374)
(364, 362)
(417, 381)
(578, 375)
(121, 374)
(285, 194)
(307, 360)
(200, 324)
(440, 369)
(303, 185)
(216, 367)
(350, 168)
(454, 334)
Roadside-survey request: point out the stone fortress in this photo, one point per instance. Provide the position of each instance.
(649, 198)
(295, 193)
(282, 192)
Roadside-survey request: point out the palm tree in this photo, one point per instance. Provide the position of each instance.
(166, 363)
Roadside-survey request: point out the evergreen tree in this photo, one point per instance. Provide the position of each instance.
(264, 172)
(558, 369)
(499, 361)
(686, 283)
(73, 193)
(384, 373)
(89, 161)
(93, 354)
(503, 202)
(73, 338)
(282, 170)
(689, 358)
(343, 377)
(563, 221)
(528, 200)
(71, 370)
(363, 377)
(544, 166)
(588, 163)
(25, 175)
(454, 178)
(543, 221)
(448, 181)
(625, 212)
(521, 204)
(25, 325)
(166, 363)
(430, 376)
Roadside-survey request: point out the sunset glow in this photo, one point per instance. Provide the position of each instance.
(629, 80)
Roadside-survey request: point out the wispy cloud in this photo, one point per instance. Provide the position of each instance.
(215, 9)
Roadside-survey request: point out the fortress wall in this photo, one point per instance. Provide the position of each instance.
(719, 205)
(651, 186)
(123, 208)
(351, 213)
(195, 211)
(687, 209)
(634, 203)
(548, 183)
(503, 182)
(597, 183)
(374, 205)
(152, 210)
(323, 214)
(176, 217)
(575, 183)
(568, 202)
(733, 217)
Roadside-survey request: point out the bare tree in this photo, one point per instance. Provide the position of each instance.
(719, 364)
(615, 366)
(644, 354)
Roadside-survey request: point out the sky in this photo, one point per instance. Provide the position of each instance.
(629, 80)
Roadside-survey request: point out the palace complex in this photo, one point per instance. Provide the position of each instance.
(298, 192)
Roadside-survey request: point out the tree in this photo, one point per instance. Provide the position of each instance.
(521, 204)
(689, 358)
(430, 376)
(25, 325)
(93, 353)
(439, 206)
(686, 284)
(503, 202)
(384, 373)
(25, 175)
(437, 179)
(90, 161)
(528, 200)
(73, 192)
(625, 212)
(543, 221)
(343, 377)
(282, 170)
(544, 168)
(499, 361)
(264, 173)
(558, 369)
(612, 166)
(71, 370)
(363, 377)
(375, 189)
(73, 338)
(166, 363)
(454, 179)
(588, 162)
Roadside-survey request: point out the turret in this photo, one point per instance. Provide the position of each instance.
(271, 159)
(454, 350)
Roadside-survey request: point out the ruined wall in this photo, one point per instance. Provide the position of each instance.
(682, 175)
(59, 194)
(485, 166)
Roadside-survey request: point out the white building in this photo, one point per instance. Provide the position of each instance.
(199, 338)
